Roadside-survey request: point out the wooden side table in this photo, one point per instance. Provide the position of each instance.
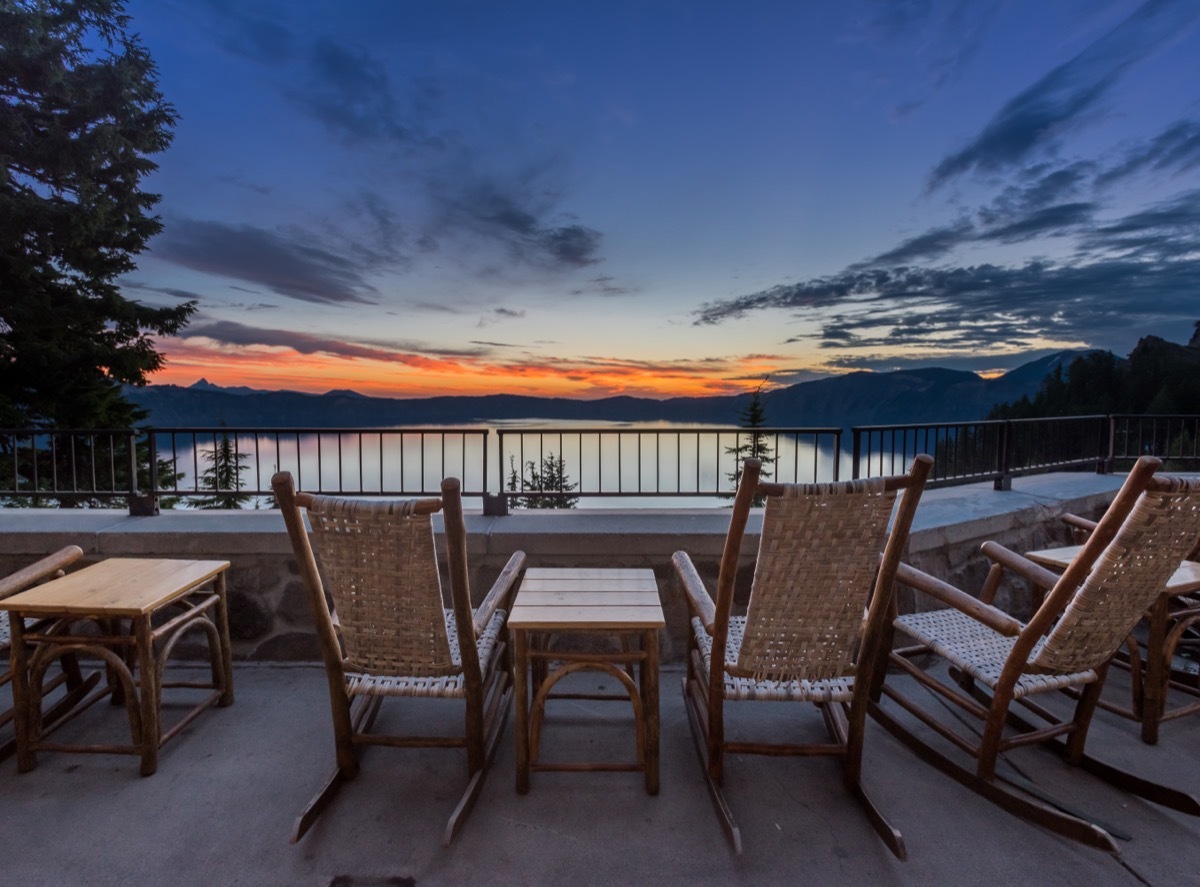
(1166, 622)
(610, 602)
(189, 595)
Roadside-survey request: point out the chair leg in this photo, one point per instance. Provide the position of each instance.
(1163, 795)
(700, 739)
(317, 805)
(347, 720)
(1055, 820)
(491, 743)
(852, 773)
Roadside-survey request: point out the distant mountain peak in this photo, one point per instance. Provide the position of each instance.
(343, 392)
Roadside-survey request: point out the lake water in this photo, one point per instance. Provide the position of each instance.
(644, 465)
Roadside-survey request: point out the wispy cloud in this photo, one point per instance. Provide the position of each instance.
(1039, 117)
(226, 332)
(289, 264)
(447, 187)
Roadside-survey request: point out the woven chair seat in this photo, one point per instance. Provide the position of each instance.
(826, 690)
(440, 687)
(981, 651)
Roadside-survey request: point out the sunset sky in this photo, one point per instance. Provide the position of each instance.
(657, 198)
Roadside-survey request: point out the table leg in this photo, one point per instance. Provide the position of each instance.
(1158, 671)
(149, 692)
(521, 694)
(25, 724)
(226, 647)
(649, 679)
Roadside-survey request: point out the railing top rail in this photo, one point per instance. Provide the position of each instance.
(30, 431)
(916, 426)
(1141, 416)
(674, 429)
(259, 429)
(1043, 419)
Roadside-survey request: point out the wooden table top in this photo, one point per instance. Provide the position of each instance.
(118, 587)
(590, 598)
(1185, 580)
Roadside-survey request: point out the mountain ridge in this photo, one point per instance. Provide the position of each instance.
(933, 394)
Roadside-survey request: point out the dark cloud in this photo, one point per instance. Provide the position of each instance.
(243, 32)
(1175, 150)
(444, 166)
(351, 92)
(604, 285)
(1038, 117)
(933, 244)
(969, 363)
(1055, 221)
(509, 214)
(956, 29)
(287, 264)
(1169, 230)
(231, 333)
(985, 307)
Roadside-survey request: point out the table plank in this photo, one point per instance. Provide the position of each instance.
(1184, 580)
(118, 587)
(642, 584)
(594, 598)
(581, 617)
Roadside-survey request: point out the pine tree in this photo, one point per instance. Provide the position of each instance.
(550, 476)
(80, 115)
(223, 476)
(755, 445)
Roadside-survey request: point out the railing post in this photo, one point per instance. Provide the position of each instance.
(1112, 445)
(140, 505)
(856, 453)
(1003, 479)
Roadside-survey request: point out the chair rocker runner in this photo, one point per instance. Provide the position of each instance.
(76, 686)
(1067, 645)
(390, 634)
(804, 637)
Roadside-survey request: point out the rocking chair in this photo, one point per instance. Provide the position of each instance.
(1090, 609)
(804, 637)
(389, 633)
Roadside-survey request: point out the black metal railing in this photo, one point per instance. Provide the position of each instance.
(547, 464)
(1173, 438)
(999, 450)
(547, 467)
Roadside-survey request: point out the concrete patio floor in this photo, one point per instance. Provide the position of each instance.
(220, 808)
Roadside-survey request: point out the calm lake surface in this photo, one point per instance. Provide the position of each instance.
(611, 464)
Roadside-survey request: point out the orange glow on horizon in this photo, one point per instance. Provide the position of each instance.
(405, 376)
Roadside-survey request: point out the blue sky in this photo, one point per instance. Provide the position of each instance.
(656, 198)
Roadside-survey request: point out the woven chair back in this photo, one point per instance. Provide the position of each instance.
(1160, 531)
(381, 570)
(817, 560)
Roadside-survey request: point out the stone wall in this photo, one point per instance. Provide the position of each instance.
(270, 618)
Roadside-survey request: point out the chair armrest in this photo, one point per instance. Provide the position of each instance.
(700, 602)
(46, 568)
(1081, 527)
(1078, 523)
(1021, 565)
(993, 617)
(501, 592)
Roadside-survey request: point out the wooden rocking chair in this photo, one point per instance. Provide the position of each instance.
(1067, 645)
(804, 637)
(390, 634)
(76, 685)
